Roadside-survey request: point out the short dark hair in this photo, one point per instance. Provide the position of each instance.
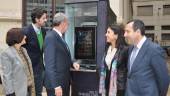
(119, 30)
(14, 36)
(37, 13)
(138, 24)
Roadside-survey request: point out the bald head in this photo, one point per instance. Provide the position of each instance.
(58, 18)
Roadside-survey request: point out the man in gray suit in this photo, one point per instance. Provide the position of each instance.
(147, 70)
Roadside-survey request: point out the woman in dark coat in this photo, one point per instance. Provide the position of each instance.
(113, 70)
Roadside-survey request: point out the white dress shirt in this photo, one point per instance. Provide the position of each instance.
(109, 56)
(36, 29)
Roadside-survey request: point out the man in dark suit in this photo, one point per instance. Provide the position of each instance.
(34, 44)
(147, 70)
(58, 58)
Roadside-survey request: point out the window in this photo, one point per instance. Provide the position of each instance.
(149, 27)
(37, 1)
(60, 2)
(150, 36)
(145, 10)
(166, 9)
(165, 27)
(46, 4)
(60, 8)
(165, 36)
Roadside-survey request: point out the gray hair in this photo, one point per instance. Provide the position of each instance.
(58, 18)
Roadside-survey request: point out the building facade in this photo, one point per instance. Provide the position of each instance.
(52, 7)
(122, 10)
(156, 16)
(10, 16)
(17, 14)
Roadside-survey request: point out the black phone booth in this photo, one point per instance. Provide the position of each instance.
(86, 40)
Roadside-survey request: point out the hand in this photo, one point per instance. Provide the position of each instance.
(76, 66)
(58, 91)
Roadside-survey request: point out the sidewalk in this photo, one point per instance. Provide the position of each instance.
(1, 91)
(44, 93)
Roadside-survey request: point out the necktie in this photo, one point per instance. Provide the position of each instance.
(40, 39)
(133, 56)
(66, 44)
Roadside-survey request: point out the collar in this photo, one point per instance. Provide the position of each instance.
(139, 45)
(36, 29)
(56, 30)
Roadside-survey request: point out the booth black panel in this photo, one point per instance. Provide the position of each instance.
(84, 83)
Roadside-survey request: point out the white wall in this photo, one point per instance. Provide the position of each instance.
(10, 16)
(122, 9)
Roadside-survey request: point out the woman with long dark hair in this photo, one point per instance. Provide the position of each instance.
(113, 70)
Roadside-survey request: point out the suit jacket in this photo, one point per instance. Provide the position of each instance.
(122, 68)
(57, 62)
(148, 75)
(13, 72)
(33, 49)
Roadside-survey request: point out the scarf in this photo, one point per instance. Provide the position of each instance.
(28, 68)
(113, 78)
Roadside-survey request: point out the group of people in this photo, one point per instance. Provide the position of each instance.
(37, 57)
(138, 69)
